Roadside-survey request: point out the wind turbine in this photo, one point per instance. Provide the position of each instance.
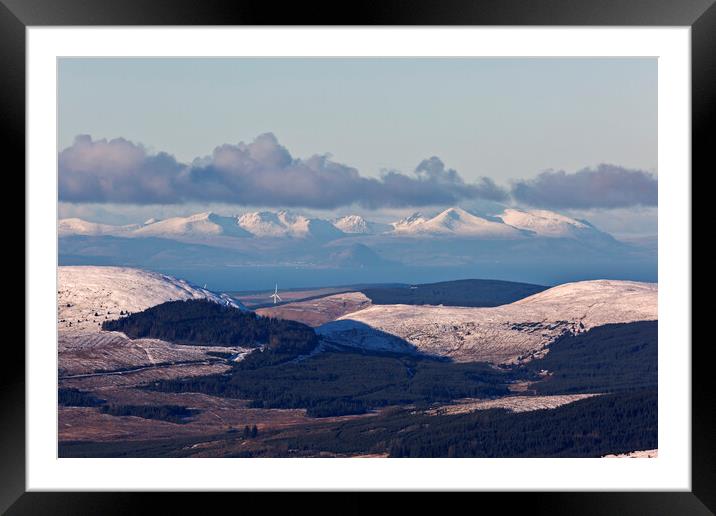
(276, 298)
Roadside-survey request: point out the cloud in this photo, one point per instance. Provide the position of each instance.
(115, 171)
(263, 173)
(607, 186)
(260, 173)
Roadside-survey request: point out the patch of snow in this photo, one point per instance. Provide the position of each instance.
(505, 334)
(549, 224)
(406, 224)
(511, 403)
(639, 454)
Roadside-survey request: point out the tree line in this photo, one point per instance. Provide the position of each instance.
(205, 323)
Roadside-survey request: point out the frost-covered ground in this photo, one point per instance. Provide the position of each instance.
(505, 334)
(89, 295)
(512, 403)
(83, 353)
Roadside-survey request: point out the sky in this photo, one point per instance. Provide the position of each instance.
(379, 136)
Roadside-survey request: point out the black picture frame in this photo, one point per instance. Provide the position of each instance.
(700, 15)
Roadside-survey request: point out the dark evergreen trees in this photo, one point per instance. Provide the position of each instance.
(609, 358)
(334, 384)
(202, 322)
(70, 397)
(469, 292)
(171, 413)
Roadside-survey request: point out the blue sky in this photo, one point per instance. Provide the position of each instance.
(503, 119)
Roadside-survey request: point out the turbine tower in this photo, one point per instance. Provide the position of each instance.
(276, 298)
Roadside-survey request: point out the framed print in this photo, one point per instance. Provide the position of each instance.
(444, 248)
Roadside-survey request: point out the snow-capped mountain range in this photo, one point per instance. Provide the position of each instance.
(533, 244)
(452, 222)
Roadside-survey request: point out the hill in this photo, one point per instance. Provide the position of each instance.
(509, 333)
(199, 225)
(204, 323)
(469, 292)
(89, 295)
(456, 222)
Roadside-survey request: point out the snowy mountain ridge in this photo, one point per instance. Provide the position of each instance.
(88, 295)
(286, 224)
(355, 224)
(198, 225)
(504, 334)
(549, 224)
(456, 222)
(75, 226)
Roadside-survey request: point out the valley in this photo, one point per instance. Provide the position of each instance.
(139, 378)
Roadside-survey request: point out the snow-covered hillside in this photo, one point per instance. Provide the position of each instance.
(504, 334)
(89, 295)
(287, 224)
(407, 224)
(550, 224)
(200, 225)
(511, 403)
(456, 222)
(357, 225)
(74, 226)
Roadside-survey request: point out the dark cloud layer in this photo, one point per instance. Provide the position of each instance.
(261, 173)
(116, 171)
(607, 186)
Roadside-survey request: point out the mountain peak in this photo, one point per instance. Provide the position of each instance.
(355, 224)
(204, 215)
(547, 223)
(450, 222)
(198, 225)
(410, 221)
(455, 212)
(285, 223)
(77, 226)
(456, 222)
